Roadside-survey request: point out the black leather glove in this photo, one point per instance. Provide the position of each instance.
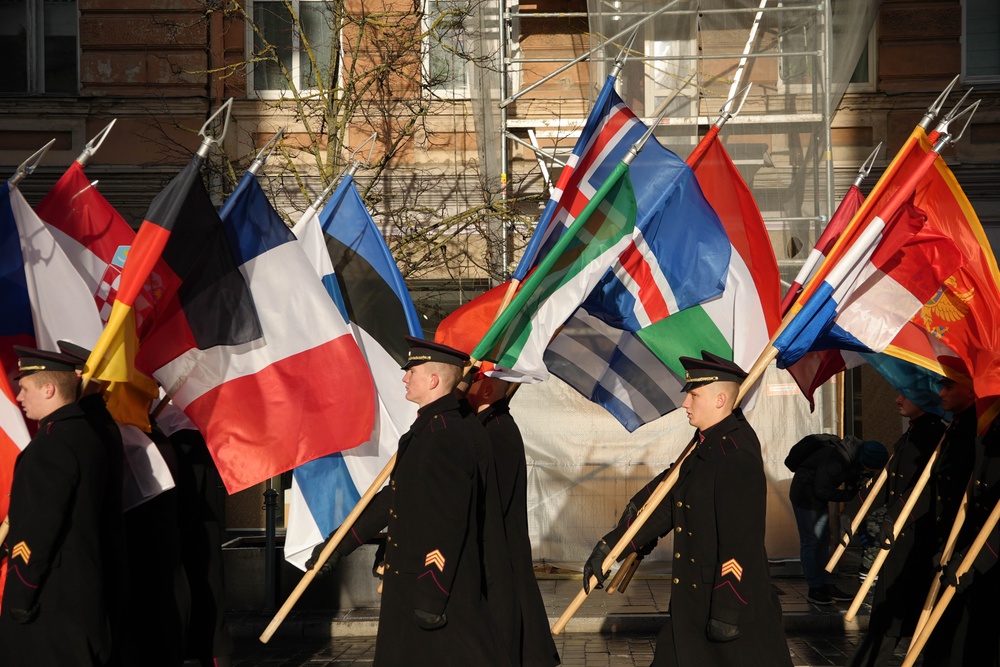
(936, 560)
(330, 563)
(377, 570)
(429, 621)
(886, 539)
(718, 631)
(24, 616)
(595, 566)
(647, 548)
(951, 578)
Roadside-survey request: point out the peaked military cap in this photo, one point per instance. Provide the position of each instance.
(31, 360)
(710, 368)
(78, 352)
(422, 351)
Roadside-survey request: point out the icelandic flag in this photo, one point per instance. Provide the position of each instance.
(299, 391)
(352, 260)
(677, 234)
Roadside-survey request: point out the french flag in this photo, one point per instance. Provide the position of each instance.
(299, 391)
(13, 438)
(884, 279)
(354, 264)
(43, 299)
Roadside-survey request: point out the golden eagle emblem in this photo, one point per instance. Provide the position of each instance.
(947, 305)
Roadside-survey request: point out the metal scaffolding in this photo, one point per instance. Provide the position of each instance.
(688, 55)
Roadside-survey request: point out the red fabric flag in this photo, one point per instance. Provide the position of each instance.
(727, 192)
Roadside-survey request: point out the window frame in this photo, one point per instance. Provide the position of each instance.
(441, 92)
(992, 80)
(35, 42)
(296, 51)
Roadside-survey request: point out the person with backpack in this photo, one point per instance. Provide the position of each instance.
(826, 469)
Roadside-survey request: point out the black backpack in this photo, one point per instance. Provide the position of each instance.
(806, 447)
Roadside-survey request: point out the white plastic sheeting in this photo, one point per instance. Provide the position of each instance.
(583, 466)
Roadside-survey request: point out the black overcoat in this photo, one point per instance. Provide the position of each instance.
(433, 509)
(908, 570)
(716, 514)
(534, 644)
(969, 634)
(56, 524)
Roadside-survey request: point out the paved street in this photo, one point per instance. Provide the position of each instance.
(609, 630)
(577, 650)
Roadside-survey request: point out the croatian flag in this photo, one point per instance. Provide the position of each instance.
(90, 231)
(352, 261)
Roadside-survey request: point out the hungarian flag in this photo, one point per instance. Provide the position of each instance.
(198, 298)
(300, 391)
(353, 262)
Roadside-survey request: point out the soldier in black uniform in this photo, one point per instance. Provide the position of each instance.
(976, 638)
(947, 488)
(723, 610)
(114, 562)
(908, 569)
(434, 611)
(533, 639)
(53, 606)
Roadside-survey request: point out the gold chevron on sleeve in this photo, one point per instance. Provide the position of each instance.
(435, 558)
(21, 549)
(734, 568)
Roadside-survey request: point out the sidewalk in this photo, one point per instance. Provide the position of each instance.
(640, 610)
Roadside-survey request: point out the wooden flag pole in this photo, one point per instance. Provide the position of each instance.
(661, 491)
(946, 554)
(328, 550)
(4, 529)
(897, 527)
(624, 574)
(918, 643)
(859, 517)
(630, 562)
